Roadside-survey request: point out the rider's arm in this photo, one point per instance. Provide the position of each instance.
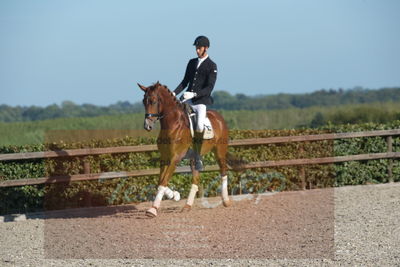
(212, 78)
(184, 82)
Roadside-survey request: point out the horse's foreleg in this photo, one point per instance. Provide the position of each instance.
(152, 212)
(172, 194)
(194, 188)
(167, 168)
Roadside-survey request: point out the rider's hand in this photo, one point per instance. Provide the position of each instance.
(188, 95)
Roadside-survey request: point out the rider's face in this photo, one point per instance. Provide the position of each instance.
(201, 51)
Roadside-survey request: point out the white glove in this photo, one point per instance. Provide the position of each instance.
(174, 93)
(188, 95)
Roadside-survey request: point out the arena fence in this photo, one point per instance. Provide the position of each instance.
(87, 175)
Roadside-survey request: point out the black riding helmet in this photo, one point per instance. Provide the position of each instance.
(202, 41)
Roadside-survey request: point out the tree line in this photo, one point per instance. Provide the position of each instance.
(331, 97)
(223, 100)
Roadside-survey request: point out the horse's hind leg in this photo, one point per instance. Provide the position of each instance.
(194, 188)
(220, 151)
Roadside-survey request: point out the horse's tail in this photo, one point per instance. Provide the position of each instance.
(235, 163)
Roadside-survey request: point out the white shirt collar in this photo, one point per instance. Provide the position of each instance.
(201, 60)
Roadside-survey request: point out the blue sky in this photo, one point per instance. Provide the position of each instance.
(94, 51)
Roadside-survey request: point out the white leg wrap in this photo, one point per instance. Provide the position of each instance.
(177, 196)
(172, 194)
(169, 193)
(159, 196)
(224, 188)
(192, 194)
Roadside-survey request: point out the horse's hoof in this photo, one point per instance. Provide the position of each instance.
(152, 212)
(177, 196)
(186, 208)
(226, 203)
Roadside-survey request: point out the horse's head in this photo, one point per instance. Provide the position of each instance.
(152, 104)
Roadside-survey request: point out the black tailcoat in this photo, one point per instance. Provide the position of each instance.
(201, 80)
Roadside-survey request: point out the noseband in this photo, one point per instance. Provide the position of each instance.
(156, 115)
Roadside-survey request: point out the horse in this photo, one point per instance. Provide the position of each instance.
(174, 142)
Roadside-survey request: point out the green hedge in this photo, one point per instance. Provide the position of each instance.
(136, 189)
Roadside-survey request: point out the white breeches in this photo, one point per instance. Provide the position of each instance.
(201, 111)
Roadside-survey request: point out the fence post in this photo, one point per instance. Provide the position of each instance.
(201, 191)
(86, 194)
(86, 165)
(389, 141)
(302, 171)
(302, 174)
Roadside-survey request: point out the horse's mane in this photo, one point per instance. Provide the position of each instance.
(169, 92)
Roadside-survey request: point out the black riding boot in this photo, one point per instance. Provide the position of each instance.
(197, 143)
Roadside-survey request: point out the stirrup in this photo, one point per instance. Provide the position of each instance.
(198, 165)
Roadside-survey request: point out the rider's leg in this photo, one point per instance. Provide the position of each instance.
(201, 111)
(197, 143)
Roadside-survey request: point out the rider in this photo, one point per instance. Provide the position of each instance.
(201, 74)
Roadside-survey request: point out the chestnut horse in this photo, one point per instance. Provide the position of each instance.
(174, 141)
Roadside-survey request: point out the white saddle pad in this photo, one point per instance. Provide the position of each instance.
(208, 130)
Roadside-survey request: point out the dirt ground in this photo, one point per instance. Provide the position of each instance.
(356, 225)
(289, 224)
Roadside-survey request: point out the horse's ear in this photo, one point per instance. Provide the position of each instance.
(157, 83)
(144, 88)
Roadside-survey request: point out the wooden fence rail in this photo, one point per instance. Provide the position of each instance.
(241, 142)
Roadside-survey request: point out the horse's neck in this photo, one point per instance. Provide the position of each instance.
(172, 114)
(172, 120)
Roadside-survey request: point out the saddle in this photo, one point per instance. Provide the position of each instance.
(208, 130)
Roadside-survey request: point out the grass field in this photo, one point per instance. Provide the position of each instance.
(34, 132)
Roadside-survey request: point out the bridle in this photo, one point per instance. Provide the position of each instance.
(157, 115)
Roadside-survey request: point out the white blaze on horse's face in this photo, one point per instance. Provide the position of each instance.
(150, 102)
(148, 124)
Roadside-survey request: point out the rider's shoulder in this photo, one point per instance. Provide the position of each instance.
(211, 63)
